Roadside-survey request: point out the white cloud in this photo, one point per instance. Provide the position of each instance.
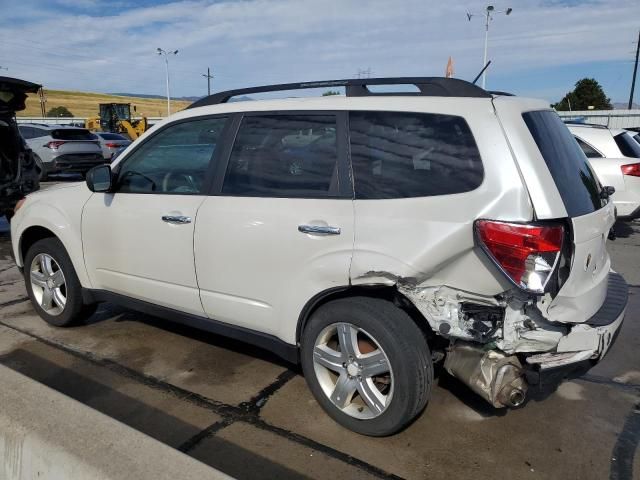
(96, 47)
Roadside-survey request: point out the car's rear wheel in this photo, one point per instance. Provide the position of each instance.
(368, 364)
(52, 284)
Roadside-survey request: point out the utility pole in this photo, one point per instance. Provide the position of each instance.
(208, 76)
(635, 71)
(362, 73)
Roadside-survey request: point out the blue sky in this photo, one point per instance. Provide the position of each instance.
(540, 50)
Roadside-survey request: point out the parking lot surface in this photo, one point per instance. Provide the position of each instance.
(249, 414)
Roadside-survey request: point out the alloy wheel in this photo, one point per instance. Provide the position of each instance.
(48, 284)
(353, 370)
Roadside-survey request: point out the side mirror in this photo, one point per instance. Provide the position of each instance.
(99, 178)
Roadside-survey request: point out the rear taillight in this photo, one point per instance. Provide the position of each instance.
(527, 254)
(632, 169)
(54, 144)
(111, 145)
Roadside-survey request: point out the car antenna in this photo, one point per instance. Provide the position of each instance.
(481, 72)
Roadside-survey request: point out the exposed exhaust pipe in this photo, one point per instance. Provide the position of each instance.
(491, 374)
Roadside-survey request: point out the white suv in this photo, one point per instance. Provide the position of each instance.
(366, 236)
(614, 156)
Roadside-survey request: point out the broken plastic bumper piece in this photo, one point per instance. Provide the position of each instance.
(590, 340)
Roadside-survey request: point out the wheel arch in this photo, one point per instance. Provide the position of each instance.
(44, 221)
(384, 292)
(30, 236)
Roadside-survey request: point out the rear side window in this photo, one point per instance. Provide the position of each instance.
(26, 132)
(73, 134)
(627, 145)
(588, 150)
(402, 155)
(577, 185)
(284, 156)
(112, 136)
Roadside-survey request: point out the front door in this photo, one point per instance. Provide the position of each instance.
(138, 239)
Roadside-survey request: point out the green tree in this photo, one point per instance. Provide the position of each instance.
(328, 93)
(59, 112)
(587, 93)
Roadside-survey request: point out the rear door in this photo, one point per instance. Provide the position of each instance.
(558, 169)
(279, 227)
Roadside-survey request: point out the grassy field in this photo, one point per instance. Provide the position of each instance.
(84, 104)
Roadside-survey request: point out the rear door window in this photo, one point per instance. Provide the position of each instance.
(26, 132)
(73, 134)
(403, 155)
(588, 150)
(567, 163)
(112, 136)
(284, 156)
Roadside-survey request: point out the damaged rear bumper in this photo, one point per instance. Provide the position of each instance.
(500, 378)
(593, 339)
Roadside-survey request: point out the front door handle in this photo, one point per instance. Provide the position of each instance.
(319, 229)
(176, 219)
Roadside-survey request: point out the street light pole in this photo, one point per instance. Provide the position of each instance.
(486, 44)
(166, 62)
(489, 11)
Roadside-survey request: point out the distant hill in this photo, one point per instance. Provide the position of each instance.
(85, 104)
(143, 95)
(623, 106)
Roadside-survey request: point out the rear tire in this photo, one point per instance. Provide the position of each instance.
(52, 284)
(388, 381)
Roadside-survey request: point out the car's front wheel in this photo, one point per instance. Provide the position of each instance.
(52, 284)
(368, 364)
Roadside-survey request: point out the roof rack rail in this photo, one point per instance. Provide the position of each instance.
(357, 87)
(501, 93)
(584, 124)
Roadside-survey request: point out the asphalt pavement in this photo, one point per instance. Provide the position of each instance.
(249, 414)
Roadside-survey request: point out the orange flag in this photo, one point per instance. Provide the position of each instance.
(449, 72)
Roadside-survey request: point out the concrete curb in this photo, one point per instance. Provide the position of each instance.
(46, 435)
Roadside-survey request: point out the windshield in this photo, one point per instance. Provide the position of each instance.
(627, 145)
(576, 182)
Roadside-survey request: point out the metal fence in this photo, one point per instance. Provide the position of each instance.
(609, 118)
(78, 121)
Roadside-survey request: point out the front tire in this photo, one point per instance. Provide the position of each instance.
(52, 284)
(367, 364)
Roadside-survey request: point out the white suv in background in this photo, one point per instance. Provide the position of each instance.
(365, 236)
(614, 156)
(61, 148)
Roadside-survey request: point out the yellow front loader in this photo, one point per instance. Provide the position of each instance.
(116, 118)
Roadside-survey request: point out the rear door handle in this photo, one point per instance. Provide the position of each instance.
(319, 229)
(176, 219)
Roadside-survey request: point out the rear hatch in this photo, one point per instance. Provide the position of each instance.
(562, 186)
(76, 144)
(72, 141)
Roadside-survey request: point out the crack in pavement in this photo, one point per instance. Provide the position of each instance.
(247, 412)
(625, 448)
